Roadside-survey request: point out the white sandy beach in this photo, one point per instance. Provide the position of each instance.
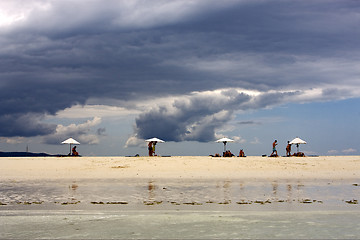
(186, 167)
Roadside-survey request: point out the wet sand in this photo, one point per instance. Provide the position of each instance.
(180, 167)
(176, 194)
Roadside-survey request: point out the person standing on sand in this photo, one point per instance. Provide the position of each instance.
(154, 143)
(274, 149)
(150, 148)
(288, 149)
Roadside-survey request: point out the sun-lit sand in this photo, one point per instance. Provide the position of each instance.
(186, 167)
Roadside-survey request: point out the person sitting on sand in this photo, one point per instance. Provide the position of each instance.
(228, 154)
(241, 153)
(74, 152)
(288, 149)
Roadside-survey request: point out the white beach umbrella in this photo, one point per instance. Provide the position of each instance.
(154, 140)
(224, 140)
(297, 141)
(70, 141)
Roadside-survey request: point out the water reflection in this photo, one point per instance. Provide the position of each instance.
(289, 192)
(72, 191)
(177, 192)
(151, 189)
(275, 186)
(227, 192)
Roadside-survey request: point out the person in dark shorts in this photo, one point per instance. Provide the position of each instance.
(150, 148)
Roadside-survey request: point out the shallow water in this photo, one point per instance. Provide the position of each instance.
(134, 193)
(179, 209)
(179, 224)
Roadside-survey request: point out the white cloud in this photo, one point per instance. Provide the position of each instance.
(83, 127)
(90, 111)
(8, 19)
(238, 139)
(17, 11)
(89, 138)
(134, 141)
(346, 151)
(334, 152)
(349, 150)
(81, 132)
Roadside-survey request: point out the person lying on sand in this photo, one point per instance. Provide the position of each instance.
(299, 154)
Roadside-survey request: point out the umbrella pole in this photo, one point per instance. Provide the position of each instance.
(70, 149)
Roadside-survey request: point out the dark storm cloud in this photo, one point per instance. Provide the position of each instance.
(197, 117)
(66, 53)
(23, 125)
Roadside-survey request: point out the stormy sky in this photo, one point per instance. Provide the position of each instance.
(182, 70)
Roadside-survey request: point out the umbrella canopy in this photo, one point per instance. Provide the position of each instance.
(297, 141)
(154, 140)
(70, 141)
(224, 140)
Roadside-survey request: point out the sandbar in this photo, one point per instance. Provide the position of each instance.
(180, 167)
